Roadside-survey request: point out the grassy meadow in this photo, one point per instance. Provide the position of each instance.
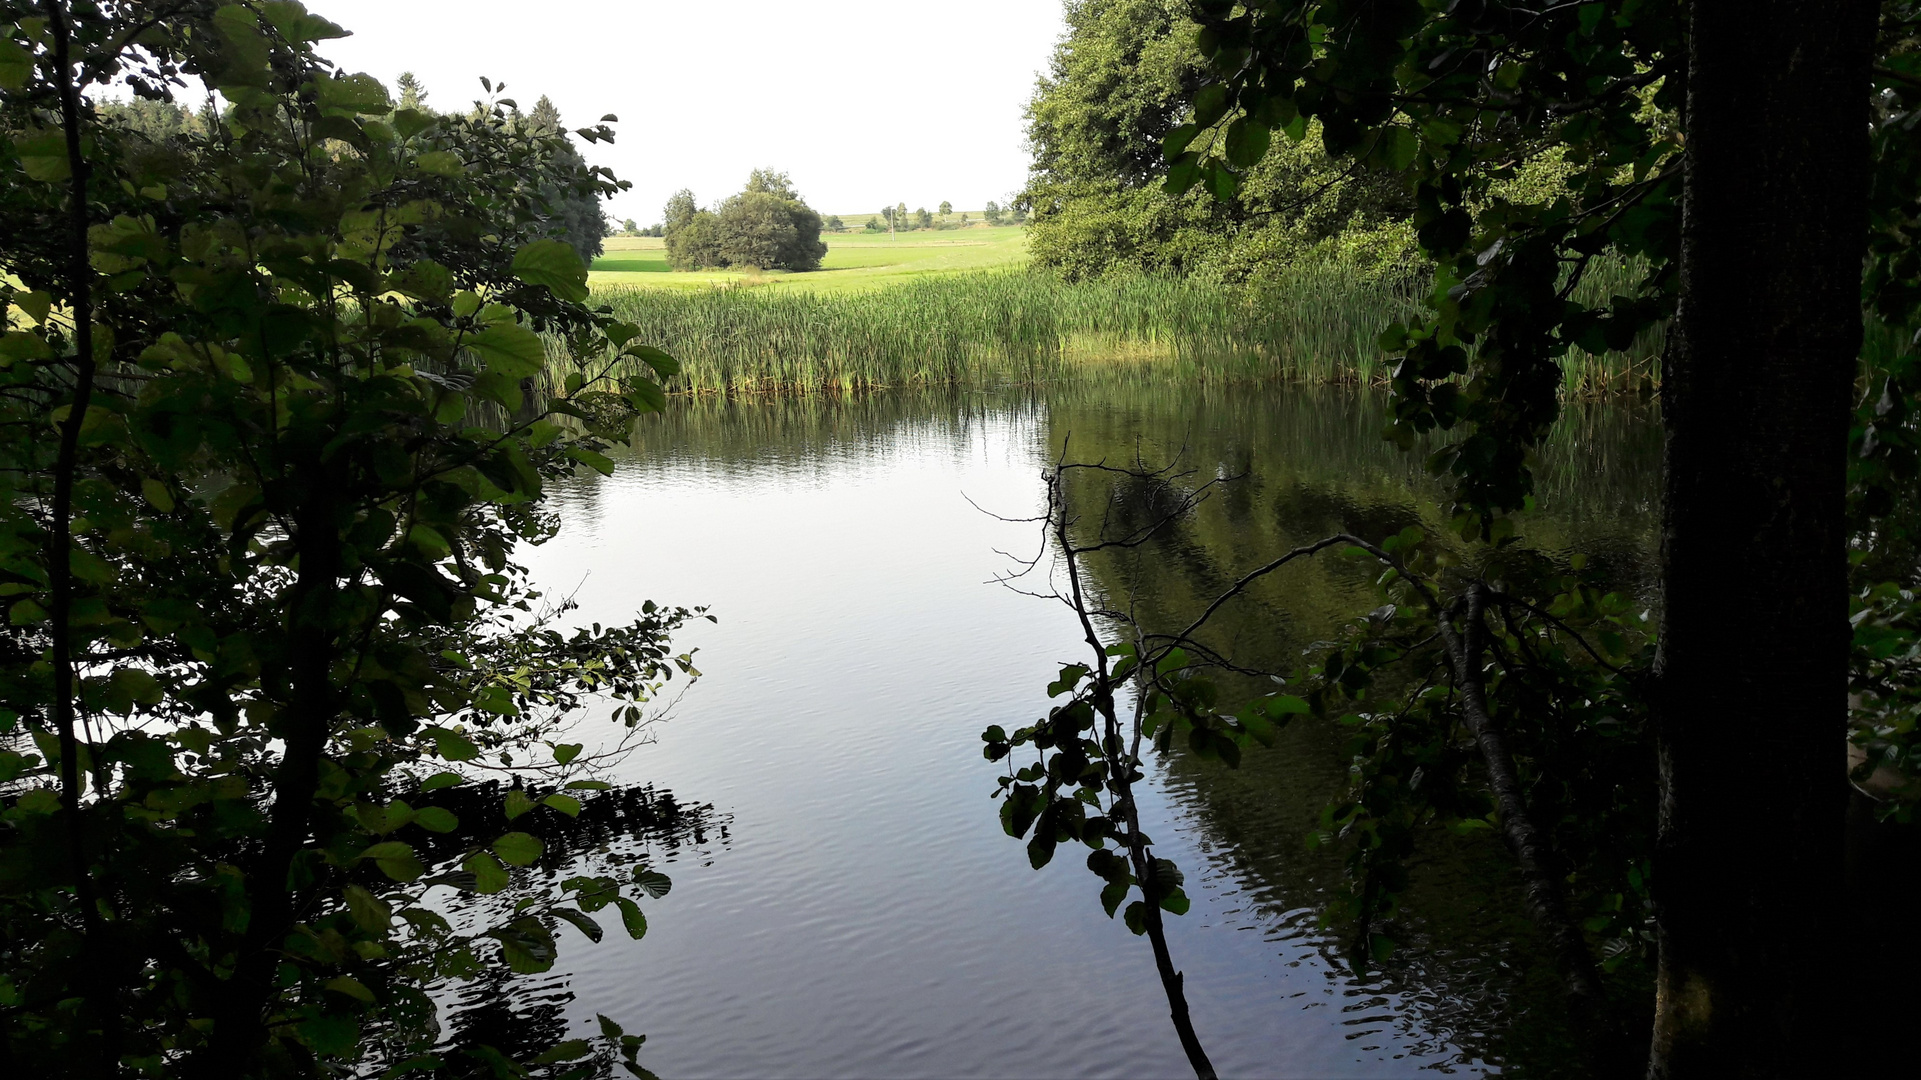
(855, 260)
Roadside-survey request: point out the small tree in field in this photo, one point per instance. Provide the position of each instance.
(992, 213)
(768, 225)
(946, 208)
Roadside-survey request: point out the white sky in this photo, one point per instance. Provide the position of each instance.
(866, 103)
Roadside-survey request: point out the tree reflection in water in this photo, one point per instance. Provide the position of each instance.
(499, 1017)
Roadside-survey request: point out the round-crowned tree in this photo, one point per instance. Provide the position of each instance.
(770, 226)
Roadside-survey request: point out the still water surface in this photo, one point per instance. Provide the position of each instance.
(865, 915)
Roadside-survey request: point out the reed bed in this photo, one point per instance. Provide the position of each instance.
(1022, 327)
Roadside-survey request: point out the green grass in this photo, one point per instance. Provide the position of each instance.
(855, 261)
(917, 311)
(984, 328)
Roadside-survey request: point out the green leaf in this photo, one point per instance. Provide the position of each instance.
(489, 875)
(518, 848)
(1023, 804)
(653, 883)
(664, 365)
(1182, 175)
(1040, 849)
(18, 345)
(396, 860)
(137, 685)
(330, 1035)
(350, 986)
(600, 463)
(646, 396)
(157, 495)
(526, 945)
(567, 752)
(43, 155)
(38, 801)
(555, 264)
(1175, 143)
(247, 47)
(440, 163)
(1210, 104)
(509, 349)
(38, 305)
(1396, 147)
(1071, 676)
(517, 803)
(436, 819)
(368, 911)
(631, 918)
(570, 1050)
(348, 96)
(1247, 142)
(566, 804)
(442, 780)
(581, 921)
(454, 747)
(16, 64)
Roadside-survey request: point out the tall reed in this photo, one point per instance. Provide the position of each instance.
(995, 328)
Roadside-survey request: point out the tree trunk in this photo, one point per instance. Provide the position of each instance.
(1751, 675)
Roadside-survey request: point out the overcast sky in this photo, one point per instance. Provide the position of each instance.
(866, 103)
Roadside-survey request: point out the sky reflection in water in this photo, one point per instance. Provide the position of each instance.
(869, 918)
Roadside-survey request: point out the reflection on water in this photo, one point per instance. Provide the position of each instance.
(868, 917)
(614, 832)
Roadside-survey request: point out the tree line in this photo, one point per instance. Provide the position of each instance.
(897, 218)
(577, 220)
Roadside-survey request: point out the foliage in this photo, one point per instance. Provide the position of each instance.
(579, 220)
(1885, 442)
(767, 226)
(1533, 144)
(1402, 95)
(1596, 100)
(269, 449)
(1123, 77)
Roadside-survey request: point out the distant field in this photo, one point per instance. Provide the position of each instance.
(858, 260)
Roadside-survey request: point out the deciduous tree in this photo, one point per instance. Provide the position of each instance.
(274, 426)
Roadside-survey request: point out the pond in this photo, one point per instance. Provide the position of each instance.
(863, 913)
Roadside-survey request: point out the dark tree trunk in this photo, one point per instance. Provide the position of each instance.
(1752, 668)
